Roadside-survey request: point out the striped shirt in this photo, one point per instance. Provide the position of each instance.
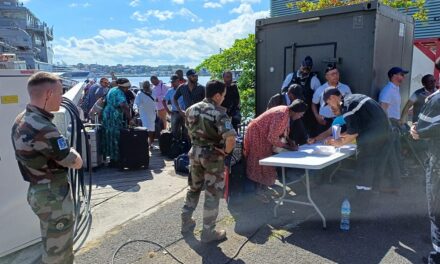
(190, 97)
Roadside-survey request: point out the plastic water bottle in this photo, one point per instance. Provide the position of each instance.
(345, 215)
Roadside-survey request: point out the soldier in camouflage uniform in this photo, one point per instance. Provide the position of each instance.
(213, 138)
(43, 156)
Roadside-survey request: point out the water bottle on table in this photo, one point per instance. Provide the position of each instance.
(345, 215)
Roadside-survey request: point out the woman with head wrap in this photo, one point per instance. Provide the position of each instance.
(266, 132)
(115, 116)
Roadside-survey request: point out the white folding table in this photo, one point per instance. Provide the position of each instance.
(305, 158)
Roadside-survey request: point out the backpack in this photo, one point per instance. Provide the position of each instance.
(181, 163)
(178, 146)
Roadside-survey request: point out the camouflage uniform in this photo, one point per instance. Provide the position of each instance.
(208, 125)
(43, 155)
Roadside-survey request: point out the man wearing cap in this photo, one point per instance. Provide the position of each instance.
(368, 124)
(390, 100)
(324, 115)
(428, 128)
(177, 122)
(192, 92)
(310, 82)
(297, 132)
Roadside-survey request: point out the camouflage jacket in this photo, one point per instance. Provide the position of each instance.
(207, 124)
(41, 151)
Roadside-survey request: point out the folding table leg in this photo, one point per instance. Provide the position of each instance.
(280, 200)
(324, 223)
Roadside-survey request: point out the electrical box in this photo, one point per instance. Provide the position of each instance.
(19, 226)
(363, 40)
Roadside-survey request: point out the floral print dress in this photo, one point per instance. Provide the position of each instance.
(262, 134)
(113, 121)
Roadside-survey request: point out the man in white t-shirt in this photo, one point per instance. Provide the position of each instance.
(324, 115)
(145, 105)
(390, 101)
(389, 98)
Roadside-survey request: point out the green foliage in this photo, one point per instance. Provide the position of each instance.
(240, 57)
(306, 5)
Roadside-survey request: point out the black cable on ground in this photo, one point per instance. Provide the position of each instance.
(81, 190)
(176, 259)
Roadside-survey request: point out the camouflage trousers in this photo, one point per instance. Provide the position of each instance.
(53, 205)
(207, 168)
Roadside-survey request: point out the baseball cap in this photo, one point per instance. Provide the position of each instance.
(330, 91)
(191, 72)
(396, 70)
(307, 62)
(174, 77)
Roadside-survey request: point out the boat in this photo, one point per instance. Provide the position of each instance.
(23, 34)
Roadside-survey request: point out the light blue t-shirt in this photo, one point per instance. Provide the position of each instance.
(390, 95)
(169, 97)
(318, 98)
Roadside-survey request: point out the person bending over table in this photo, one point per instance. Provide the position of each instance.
(264, 133)
(366, 122)
(327, 135)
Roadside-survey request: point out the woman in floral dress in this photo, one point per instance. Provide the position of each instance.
(115, 116)
(264, 133)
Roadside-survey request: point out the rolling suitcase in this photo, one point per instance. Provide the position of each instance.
(165, 141)
(133, 148)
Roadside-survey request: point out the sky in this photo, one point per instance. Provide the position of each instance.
(146, 32)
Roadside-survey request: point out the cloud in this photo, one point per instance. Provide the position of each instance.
(74, 5)
(112, 33)
(179, 2)
(165, 15)
(184, 12)
(135, 3)
(242, 9)
(151, 46)
(212, 5)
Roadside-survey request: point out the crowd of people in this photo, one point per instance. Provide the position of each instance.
(305, 111)
(117, 105)
(302, 113)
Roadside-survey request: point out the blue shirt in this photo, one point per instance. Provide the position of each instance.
(169, 97)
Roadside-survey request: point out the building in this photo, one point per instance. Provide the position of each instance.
(426, 37)
(423, 30)
(23, 34)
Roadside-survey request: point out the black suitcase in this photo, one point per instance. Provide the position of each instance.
(133, 148)
(165, 140)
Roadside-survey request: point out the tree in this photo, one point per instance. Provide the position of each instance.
(308, 5)
(239, 57)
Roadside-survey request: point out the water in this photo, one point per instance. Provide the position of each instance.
(345, 215)
(136, 80)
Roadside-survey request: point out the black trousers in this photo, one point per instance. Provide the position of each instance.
(433, 195)
(377, 163)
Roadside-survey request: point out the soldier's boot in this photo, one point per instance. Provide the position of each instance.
(188, 224)
(212, 235)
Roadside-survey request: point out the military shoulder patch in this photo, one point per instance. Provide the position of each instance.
(62, 143)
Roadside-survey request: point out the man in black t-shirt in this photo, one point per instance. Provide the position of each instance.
(417, 99)
(232, 99)
(368, 124)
